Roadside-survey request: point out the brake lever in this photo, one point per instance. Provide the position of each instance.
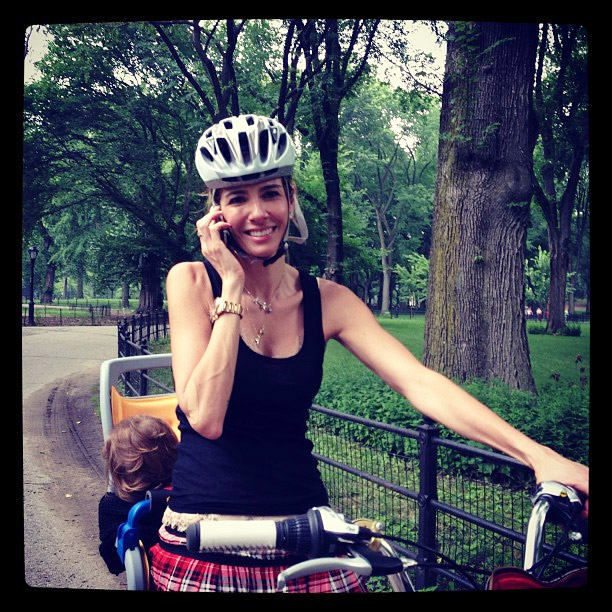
(357, 564)
(381, 565)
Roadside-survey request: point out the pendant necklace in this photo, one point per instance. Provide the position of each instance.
(265, 307)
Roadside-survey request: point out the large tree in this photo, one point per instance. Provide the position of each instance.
(343, 48)
(111, 117)
(561, 110)
(475, 326)
(390, 137)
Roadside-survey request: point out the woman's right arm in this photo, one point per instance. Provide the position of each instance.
(204, 357)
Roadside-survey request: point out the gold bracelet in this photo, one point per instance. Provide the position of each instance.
(223, 306)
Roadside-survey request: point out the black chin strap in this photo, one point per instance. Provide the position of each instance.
(282, 249)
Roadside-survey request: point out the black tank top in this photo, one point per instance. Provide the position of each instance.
(262, 464)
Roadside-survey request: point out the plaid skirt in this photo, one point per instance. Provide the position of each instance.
(172, 571)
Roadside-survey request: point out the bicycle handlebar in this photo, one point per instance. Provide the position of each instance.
(320, 531)
(556, 503)
(321, 534)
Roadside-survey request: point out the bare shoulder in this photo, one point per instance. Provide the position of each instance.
(333, 293)
(188, 276)
(341, 308)
(187, 271)
(188, 288)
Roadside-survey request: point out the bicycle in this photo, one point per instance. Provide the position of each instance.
(330, 542)
(114, 407)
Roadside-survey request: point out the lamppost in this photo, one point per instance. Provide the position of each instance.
(33, 253)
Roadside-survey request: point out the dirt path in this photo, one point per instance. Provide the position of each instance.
(62, 483)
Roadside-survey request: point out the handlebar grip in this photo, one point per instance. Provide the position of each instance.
(303, 535)
(224, 536)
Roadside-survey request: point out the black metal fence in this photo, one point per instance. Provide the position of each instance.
(135, 333)
(70, 314)
(469, 503)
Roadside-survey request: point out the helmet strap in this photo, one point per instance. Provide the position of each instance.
(283, 247)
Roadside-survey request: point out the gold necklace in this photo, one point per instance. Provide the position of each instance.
(265, 307)
(258, 332)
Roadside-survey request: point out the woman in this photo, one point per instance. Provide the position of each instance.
(248, 337)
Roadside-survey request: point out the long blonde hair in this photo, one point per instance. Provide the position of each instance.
(139, 455)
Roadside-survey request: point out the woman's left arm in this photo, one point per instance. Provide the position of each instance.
(349, 321)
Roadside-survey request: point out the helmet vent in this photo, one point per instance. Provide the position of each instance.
(282, 145)
(224, 149)
(244, 148)
(227, 125)
(263, 145)
(206, 154)
(250, 120)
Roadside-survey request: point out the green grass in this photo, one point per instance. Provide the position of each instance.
(557, 416)
(550, 355)
(556, 355)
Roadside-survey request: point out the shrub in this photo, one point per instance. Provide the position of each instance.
(557, 417)
(571, 329)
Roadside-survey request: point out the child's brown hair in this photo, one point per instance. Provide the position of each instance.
(139, 455)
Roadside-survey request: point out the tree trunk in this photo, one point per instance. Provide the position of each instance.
(47, 295)
(559, 266)
(475, 325)
(125, 295)
(80, 283)
(385, 262)
(329, 162)
(150, 289)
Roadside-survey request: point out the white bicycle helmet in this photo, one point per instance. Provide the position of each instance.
(245, 150)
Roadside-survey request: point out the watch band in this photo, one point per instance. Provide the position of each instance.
(223, 306)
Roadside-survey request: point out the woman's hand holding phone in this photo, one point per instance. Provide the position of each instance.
(214, 245)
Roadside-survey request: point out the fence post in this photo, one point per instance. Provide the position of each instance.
(428, 491)
(143, 386)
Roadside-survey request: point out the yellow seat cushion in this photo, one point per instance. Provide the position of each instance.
(162, 406)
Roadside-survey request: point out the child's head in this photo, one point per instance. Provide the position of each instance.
(139, 455)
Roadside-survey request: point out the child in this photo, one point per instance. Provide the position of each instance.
(139, 455)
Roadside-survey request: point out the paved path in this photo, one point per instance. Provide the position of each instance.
(62, 466)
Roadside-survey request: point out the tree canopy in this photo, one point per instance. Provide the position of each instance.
(111, 195)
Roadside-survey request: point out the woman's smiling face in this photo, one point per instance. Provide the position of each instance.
(258, 214)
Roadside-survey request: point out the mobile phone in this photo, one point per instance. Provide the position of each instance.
(227, 238)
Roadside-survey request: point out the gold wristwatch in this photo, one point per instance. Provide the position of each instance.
(222, 306)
